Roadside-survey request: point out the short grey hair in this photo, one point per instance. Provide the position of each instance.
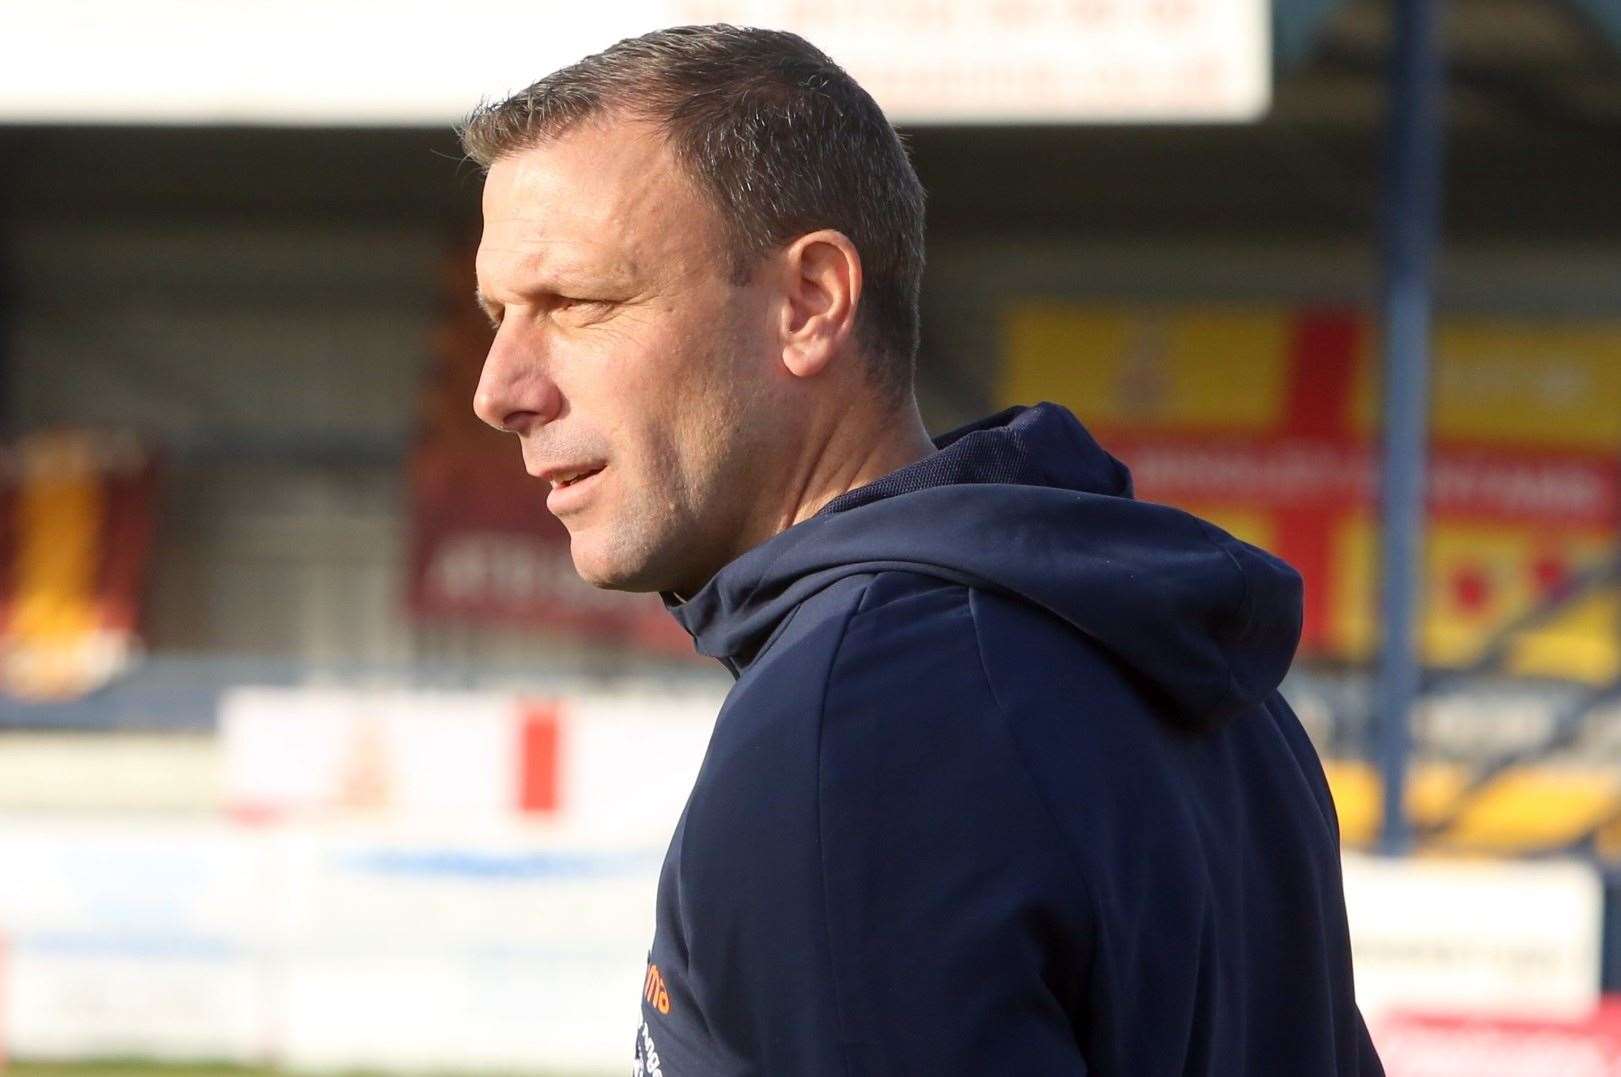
(778, 136)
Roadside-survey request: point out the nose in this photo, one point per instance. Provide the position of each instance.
(515, 393)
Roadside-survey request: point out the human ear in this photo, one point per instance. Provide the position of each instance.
(821, 280)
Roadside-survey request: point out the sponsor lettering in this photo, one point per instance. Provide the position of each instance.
(654, 991)
(647, 1055)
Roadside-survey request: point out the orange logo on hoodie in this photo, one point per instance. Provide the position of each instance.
(653, 990)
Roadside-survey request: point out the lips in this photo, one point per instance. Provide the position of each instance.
(569, 478)
(561, 475)
(571, 488)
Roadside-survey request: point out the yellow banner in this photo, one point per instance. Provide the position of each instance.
(1263, 419)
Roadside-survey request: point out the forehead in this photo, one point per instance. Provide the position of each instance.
(607, 196)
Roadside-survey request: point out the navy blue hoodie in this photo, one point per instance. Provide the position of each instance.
(1004, 786)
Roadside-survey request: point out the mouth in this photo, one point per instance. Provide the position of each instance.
(571, 490)
(566, 479)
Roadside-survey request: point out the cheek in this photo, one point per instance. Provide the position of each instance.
(646, 445)
(678, 393)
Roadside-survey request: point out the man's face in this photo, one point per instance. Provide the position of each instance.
(638, 378)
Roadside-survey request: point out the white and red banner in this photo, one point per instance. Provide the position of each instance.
(401, 880)
(586, 762)
(1497, 938)
(465, 880)
(1416, 1045)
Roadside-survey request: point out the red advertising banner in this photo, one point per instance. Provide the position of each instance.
(77, 511)
(1413, 1045)
(1265, 420)
(483, 547)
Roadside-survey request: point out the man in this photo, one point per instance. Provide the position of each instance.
(1004, 785)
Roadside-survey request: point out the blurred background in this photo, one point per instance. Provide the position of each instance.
(314, 754)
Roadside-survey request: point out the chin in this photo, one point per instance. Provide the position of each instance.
(631, 555)
(607, 579)
(610, 575)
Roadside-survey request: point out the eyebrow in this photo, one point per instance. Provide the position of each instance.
(567, 281)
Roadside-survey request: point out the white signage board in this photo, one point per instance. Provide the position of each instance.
(290, 750)
(369, 946)
(134, 938)
(504, 950)
(1502, 938)
(618, 767)
(387, 945)
(428, 61)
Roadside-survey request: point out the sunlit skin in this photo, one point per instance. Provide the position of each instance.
(719, 414)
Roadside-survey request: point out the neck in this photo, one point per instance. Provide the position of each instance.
(857, 450)
(854, 448)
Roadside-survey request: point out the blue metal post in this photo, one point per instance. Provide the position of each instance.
(1411, 224)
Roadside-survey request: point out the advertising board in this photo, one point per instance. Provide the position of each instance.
(1414, 1045)
(374, 945)
(1264, 420)
(925, 61)
(392, 944)
(134, 939)
(1482, 938)
(614, 765)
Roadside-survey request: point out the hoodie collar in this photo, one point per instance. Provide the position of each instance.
(1026, 503)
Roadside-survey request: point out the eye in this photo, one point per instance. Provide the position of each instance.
(580, 307)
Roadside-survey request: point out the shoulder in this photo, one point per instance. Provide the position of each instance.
(880, 629)
(873, 682)
(920, 681)
(906, 624)
(923, 791)
(906, 686)
(1035, 660)
(913, 636)
(959, 694)
(902, 670)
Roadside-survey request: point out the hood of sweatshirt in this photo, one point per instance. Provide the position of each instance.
(1026, 503)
